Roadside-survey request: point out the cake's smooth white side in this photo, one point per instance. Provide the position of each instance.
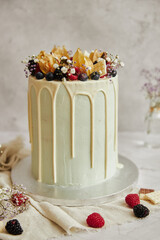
(73, 130)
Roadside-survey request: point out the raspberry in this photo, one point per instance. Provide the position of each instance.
(140, 211)
(78, 71)
(13, 227)
(72, 77)
(95, 220)
(19, 199)
(132, 200)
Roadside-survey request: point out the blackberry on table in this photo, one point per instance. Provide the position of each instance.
(140, 211)
(13, 227)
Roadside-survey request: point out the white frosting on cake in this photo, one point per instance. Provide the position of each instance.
(73, 130)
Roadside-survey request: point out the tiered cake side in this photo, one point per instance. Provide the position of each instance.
(73, 130)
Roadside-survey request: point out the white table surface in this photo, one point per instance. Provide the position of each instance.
(148, 163)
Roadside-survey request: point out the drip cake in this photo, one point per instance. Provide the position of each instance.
(73, 116)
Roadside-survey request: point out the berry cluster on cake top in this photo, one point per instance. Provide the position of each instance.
(62, 65)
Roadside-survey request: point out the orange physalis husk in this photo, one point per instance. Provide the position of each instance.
(59, 52)
(95, 55)
(82, 61)
(100, 67)
(46, 62)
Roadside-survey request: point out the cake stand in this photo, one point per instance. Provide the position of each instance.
(120, 184)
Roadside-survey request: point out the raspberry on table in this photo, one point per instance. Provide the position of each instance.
(95, 220)
(132, 199)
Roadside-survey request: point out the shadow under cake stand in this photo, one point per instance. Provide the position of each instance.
(120, 184)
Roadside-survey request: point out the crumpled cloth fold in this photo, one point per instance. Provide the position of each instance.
(11, 153)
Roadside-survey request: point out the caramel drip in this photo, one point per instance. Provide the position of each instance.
(115, 86)
(106, 147)
(72, 126)
(39, 138)
(73, 91)
(39, 85)
(29, 119)
(92, 132)
(115, 117)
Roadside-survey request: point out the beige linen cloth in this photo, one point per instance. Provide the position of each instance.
(43, 220)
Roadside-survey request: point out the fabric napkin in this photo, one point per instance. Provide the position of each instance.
(44, 220)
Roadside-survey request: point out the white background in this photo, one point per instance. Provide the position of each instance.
(129, 28)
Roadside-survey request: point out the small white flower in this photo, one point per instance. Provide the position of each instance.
(64, 79)
(99, 59)
(122, 64)
(36, 60)
(63, 58)
(73, 71)
(108, 59)
(89, 68)
(100, 72)
(55, 65)
(69, 61)
(116, 60)
(64, 69)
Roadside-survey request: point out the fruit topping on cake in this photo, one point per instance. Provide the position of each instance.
(83, 77)
(60, 65)
(95, 75)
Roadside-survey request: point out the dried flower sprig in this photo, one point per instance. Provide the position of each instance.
(13, 201)
(152, 86)
(28, 67)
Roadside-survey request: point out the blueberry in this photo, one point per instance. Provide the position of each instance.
(95, 75)
(83, 77)
(113, 73)
(58, 74)
(49, 76)
(39, 75)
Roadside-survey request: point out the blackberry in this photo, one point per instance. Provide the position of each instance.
(95, 75)
(58, 74)
(32, 67)
(140, 211)
(13, 227)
